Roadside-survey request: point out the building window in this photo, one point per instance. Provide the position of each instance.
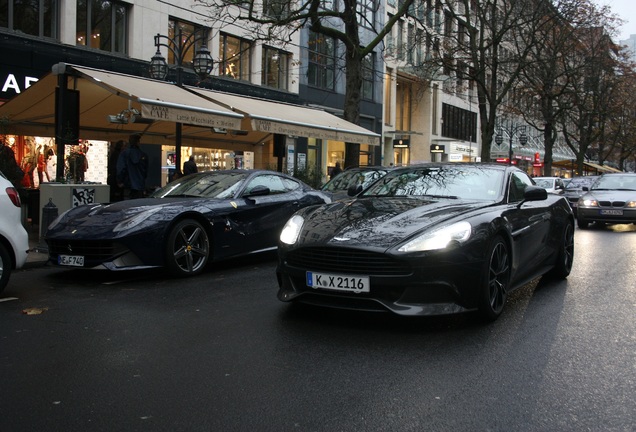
(278, 9)
(186, 30)
(366, 13)
(35, 17)
(368, 73)
(458, 123)
(403, 106)
(329, 5)
(235, 54)
(321, 71)
(275, 68)
(102, 25)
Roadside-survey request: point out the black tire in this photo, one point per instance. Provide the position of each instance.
(187, 249)
(495, 280)
(583, 224)
(565, 259)
(5, 267)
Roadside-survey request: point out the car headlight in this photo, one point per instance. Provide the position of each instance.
(587, 202)
(132, 222)
(631, 204)
(291, 230)
(439, 239)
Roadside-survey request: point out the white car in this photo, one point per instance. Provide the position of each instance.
(554, 185)
(14, 240)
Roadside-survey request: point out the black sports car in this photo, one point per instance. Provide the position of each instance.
(202, 217)
(610, 199)
(426, 240)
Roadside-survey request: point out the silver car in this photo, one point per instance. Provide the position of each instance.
(611, 199)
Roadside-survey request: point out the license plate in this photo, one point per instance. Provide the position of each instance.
(71, 260)
(337, 282)
(612, 212)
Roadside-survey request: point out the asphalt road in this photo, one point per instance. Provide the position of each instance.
(94, 351)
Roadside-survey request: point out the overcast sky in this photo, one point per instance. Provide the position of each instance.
(626, 10)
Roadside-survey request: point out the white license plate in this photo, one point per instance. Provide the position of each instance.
(71, 260)
(337, 282)
(612, 212)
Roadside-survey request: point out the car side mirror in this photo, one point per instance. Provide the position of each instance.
(534, 193)
(259, 190)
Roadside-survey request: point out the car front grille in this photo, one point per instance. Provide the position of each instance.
(619, 204)
(351, 261)
(92, 250)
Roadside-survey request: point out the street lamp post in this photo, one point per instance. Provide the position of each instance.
(180, 45)
(512, 130)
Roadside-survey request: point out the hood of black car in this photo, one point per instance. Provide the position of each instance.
(380, 223)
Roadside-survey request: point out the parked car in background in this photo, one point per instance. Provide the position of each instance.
(610, 199)
(428, 240)
(574, 189)
(200, 218)
(352, 181)
(554, 185)
(14, 240)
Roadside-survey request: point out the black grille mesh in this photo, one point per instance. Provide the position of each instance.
(97, 250)
(351, 261)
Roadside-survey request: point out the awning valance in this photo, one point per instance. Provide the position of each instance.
(280, 118)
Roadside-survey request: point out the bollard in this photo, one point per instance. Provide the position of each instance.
(49, 213)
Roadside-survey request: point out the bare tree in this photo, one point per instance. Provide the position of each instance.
(277, 20)
(545, 79)
(491, 45)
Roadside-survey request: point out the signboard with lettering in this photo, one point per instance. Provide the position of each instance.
(313, 132)
(438, 148)
(198, 118)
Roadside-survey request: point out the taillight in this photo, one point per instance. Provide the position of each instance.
(13, 195)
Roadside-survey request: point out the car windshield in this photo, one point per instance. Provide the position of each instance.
(544, 183)
(474, 183)
(347, 179)
(211, 184)
(579, 182)
(616, 182)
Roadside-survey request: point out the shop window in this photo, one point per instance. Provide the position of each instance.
(234, 54)
(102, 25)
(275, 68)
(33, 17)
(321, 72)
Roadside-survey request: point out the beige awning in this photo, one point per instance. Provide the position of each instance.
(287, 119)
(114, 105)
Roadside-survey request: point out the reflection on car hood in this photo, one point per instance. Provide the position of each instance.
(382, 223)
(100, 219)
(612, 195)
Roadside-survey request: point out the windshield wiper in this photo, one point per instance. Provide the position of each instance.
(442, 196)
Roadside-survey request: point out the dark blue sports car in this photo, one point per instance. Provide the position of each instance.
(425, 240)
(209, 216)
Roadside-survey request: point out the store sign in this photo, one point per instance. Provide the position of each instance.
(437, 148)
(401, 143)
(13, 84)
(314, 132)
(199, 118)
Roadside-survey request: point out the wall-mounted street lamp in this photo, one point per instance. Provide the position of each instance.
(180, 45)
(511, 129)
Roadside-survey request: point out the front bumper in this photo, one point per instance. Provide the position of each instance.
(440, 284)
(606, 214)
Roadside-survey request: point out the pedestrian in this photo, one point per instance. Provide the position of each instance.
(132, 168)
(336, 170)
(9, 166)
(190, 166)
(116, 191)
